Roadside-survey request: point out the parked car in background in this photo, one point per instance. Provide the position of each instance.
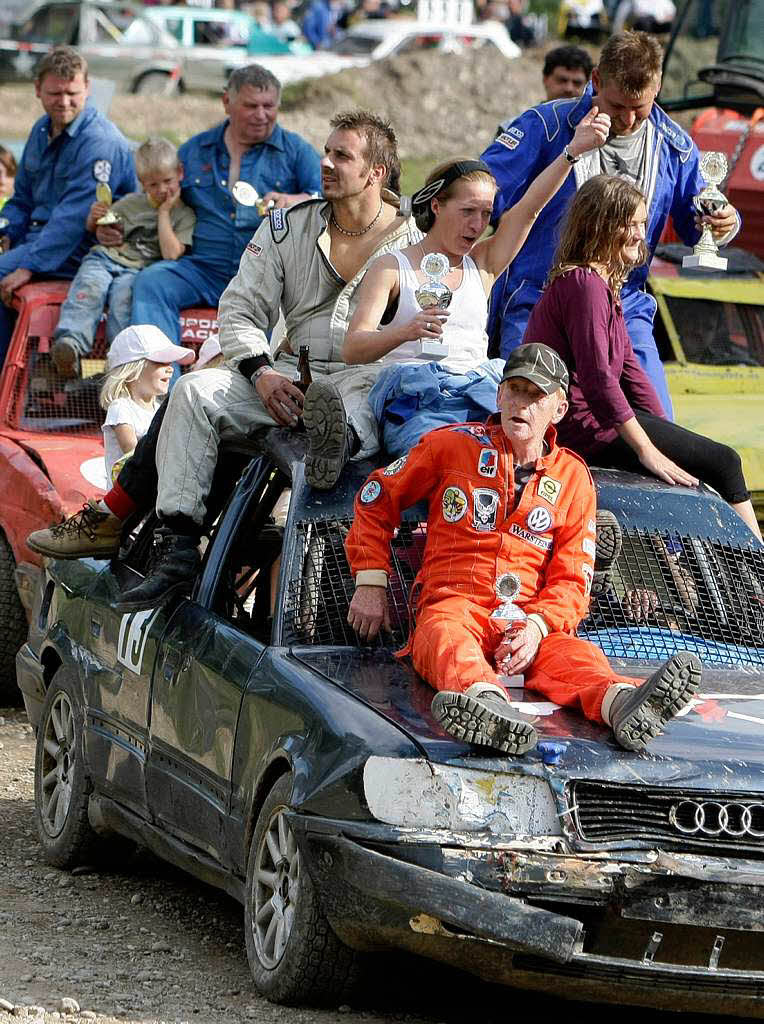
(212, 42)
(377, 39)
(115, 38)
(305, 775)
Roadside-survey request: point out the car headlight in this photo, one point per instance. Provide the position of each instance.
(417, 793)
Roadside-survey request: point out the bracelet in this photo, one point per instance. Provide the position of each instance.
(569, 156)
(259, 372)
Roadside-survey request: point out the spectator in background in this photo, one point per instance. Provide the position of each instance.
(566, 71)
(8, 168)
(283, 24)
(69, 152)
(319, 26)
(250, 146)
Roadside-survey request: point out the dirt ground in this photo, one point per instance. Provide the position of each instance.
(141, 942)
(440, 104)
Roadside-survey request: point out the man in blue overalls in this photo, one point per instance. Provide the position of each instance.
(249, 146)
(69, 151)
(646, 147)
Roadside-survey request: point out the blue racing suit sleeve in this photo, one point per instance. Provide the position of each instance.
(516, 156)
(689, 183)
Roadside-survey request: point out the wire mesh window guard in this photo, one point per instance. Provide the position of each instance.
(668, 592)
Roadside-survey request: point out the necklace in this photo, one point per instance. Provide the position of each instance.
(355, 234)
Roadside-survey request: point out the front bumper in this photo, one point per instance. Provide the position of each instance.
(597, 929)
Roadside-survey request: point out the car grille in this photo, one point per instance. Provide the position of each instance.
(609, 813)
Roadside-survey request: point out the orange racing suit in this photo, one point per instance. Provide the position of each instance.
(478, 530)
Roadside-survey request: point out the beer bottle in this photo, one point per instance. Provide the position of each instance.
(304, 378)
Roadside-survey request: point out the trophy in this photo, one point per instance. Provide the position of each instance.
(507, 588)
(705, 255)
(247, 195)
(433, 294)
(103, 195)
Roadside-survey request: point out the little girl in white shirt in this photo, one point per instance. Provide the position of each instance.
(138, 374)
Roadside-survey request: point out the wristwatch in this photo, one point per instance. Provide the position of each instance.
(259, 372)
(569, 156)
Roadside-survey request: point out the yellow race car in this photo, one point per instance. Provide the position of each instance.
(710, 333)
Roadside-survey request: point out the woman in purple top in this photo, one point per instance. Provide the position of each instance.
(615, 417)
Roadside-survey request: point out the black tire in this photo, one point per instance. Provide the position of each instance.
(305, 962)
(15, 627)
(61, 784)
(154, 83)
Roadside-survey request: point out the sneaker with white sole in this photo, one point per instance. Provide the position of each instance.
(642, 713)
(485, 719)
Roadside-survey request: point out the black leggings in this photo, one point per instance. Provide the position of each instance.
(715, 464)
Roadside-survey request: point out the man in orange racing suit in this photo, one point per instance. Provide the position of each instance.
(506, 505)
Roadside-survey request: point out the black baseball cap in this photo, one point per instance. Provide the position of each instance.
(539, 364)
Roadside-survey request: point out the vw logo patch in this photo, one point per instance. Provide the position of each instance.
(370, 492)
(539, 519)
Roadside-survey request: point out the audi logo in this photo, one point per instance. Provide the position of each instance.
(712, 818)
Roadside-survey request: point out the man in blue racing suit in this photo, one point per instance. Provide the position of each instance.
(69, 151)
(249, 146)
(645, 146)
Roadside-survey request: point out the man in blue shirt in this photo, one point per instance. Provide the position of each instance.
(249, 146)
(645, 146)
(69, 151)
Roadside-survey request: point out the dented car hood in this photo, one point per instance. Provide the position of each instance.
(717, 743)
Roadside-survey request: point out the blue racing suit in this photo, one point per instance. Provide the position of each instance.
(521, 150)
(285, 162)
(53, 192)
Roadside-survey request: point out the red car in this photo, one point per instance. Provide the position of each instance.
(51, 450)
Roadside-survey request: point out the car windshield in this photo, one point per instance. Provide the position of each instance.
(220, 33)
(719, 333)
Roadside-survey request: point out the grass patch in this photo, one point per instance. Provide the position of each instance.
(414, 171)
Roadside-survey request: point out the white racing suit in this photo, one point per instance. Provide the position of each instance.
(286, 267)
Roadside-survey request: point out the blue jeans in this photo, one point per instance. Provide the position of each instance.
(164, 288)
(100, 280)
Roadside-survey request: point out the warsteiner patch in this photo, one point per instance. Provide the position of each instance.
(454, 504)
(542, 543)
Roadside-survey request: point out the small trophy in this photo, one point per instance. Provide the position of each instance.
(103, 196)
(507, 588)
(247, 195)
(705, 255)
(433, 294)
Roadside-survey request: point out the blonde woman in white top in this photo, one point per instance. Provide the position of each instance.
(454, 208)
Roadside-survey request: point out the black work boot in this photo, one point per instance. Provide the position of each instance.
(609, 540)
(65, 358)
(329, 436)
(484, 717)
(640, 714)
(173, 566)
